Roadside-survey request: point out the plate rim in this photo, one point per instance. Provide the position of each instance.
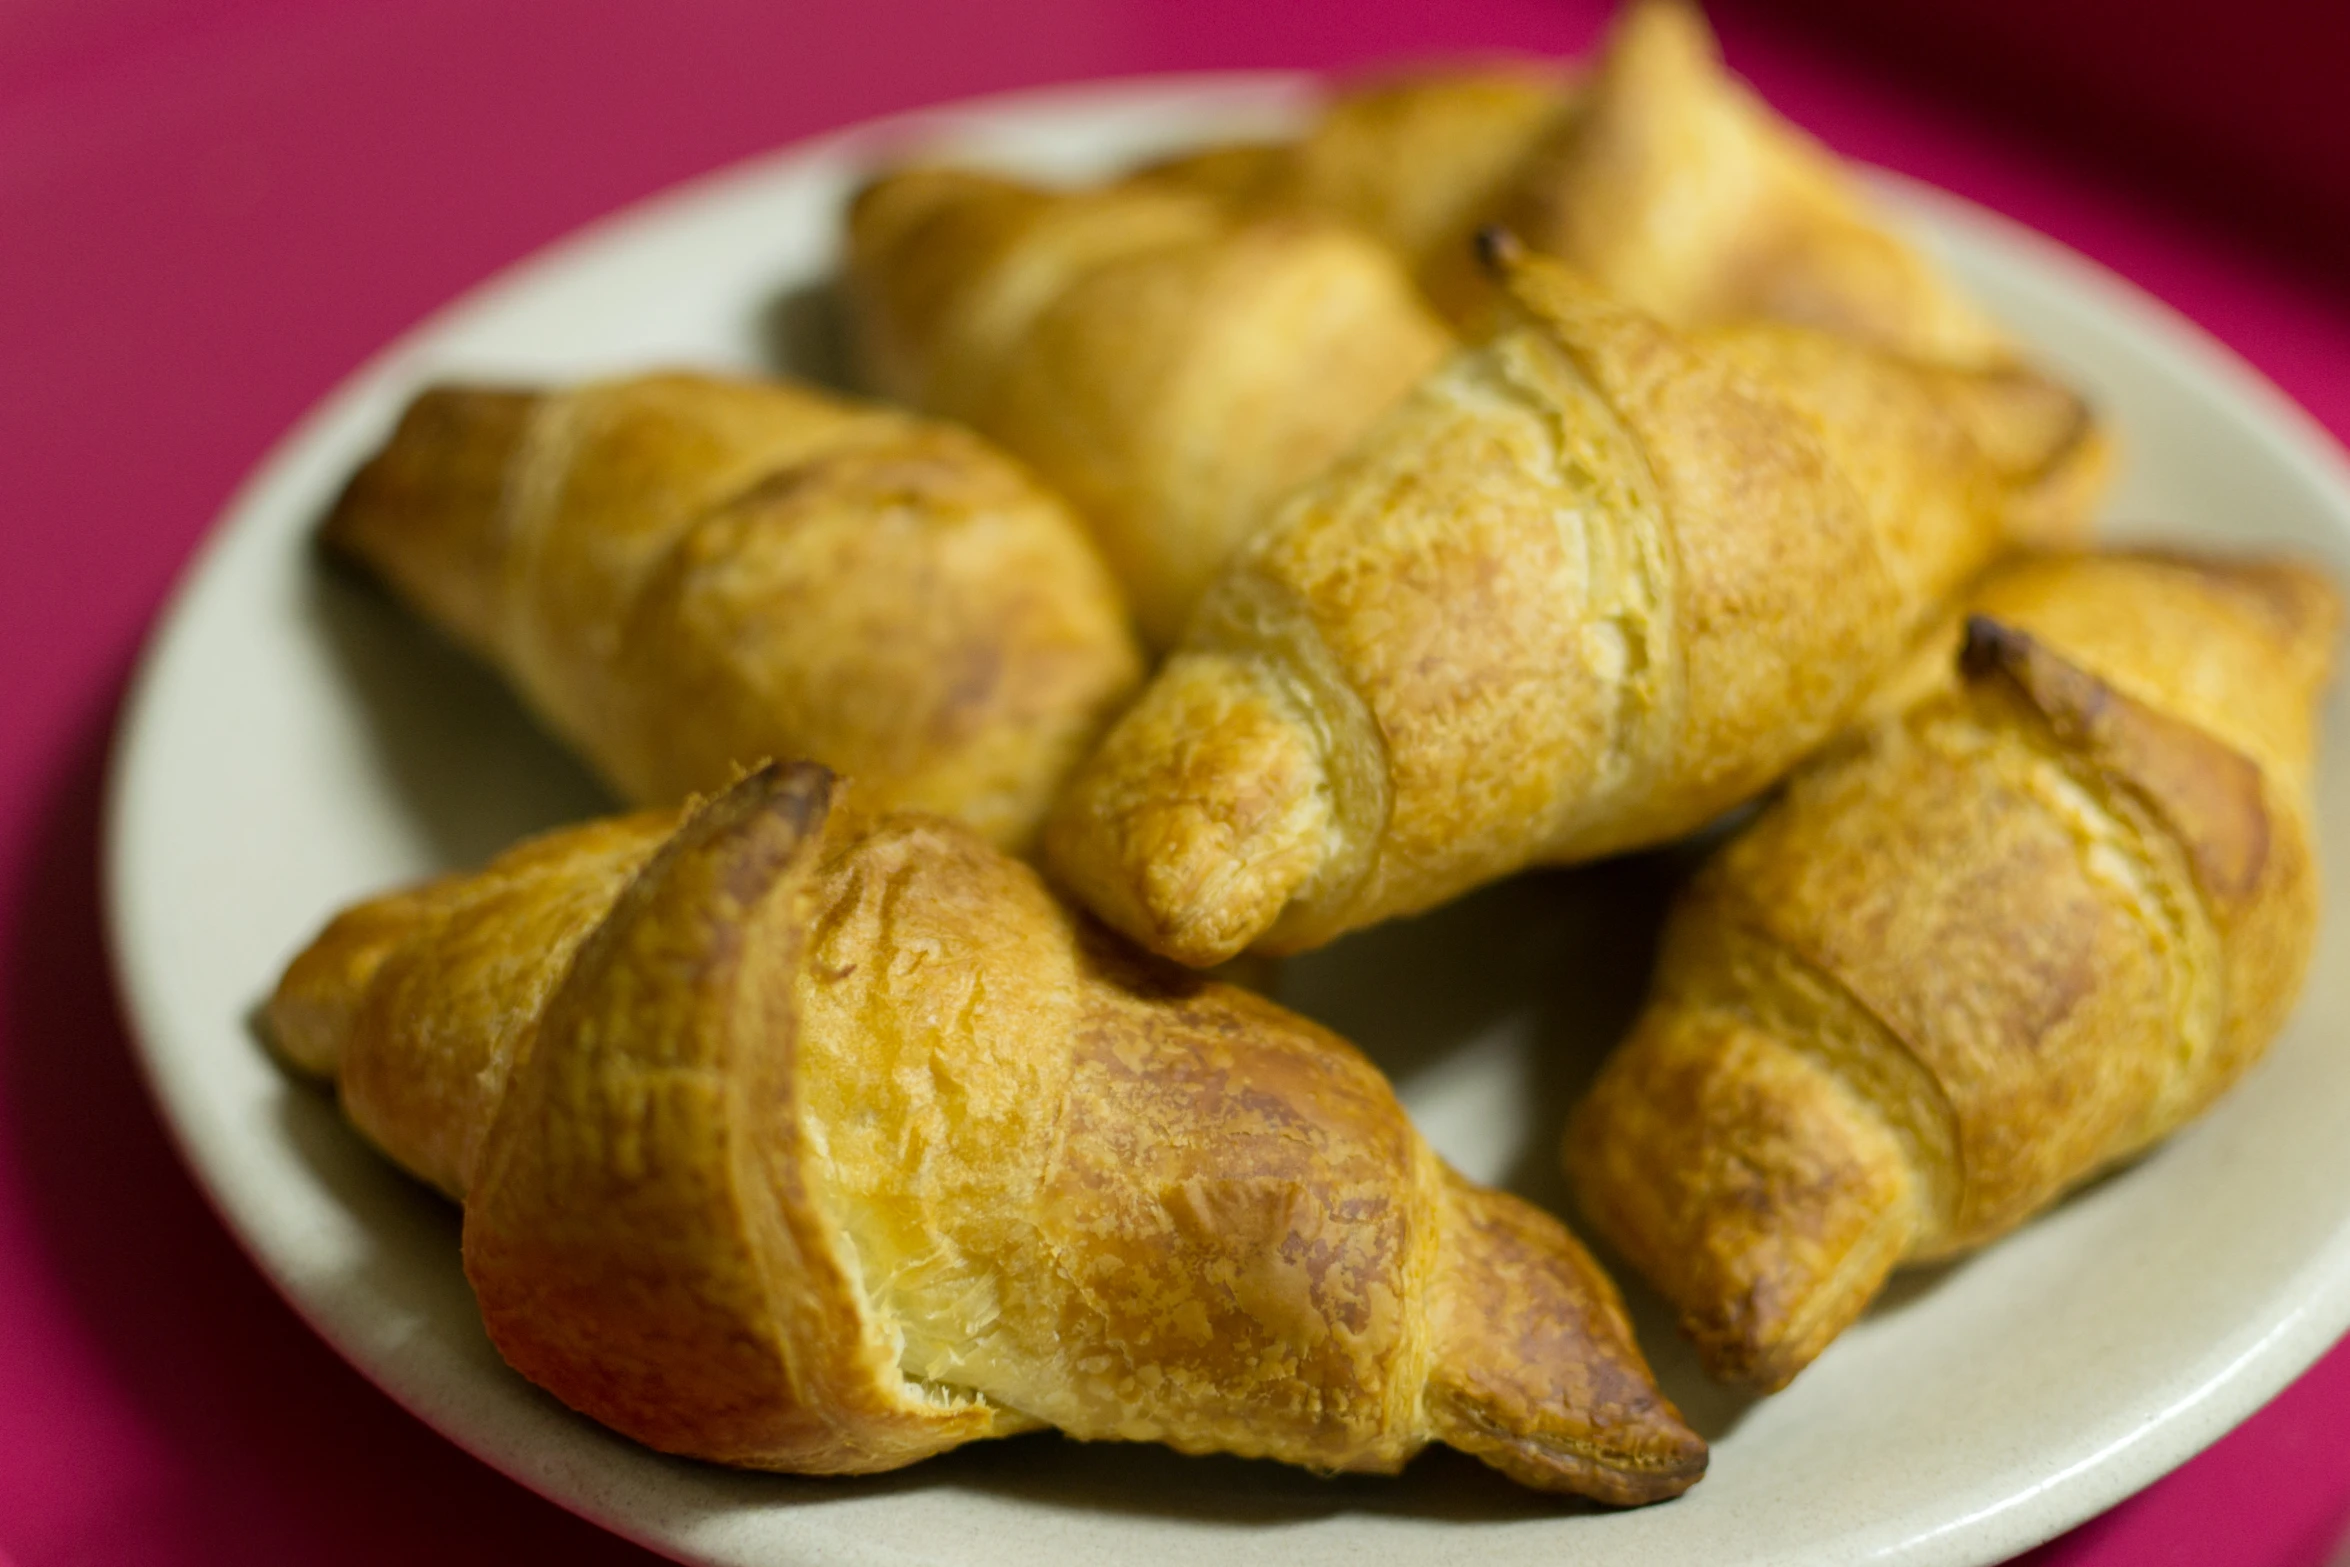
(2081, 1489)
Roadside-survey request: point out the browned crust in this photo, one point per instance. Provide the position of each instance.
(2210, 795)
(1537, 1372)
(1991, 946)
(684, 575)
(1171, 367)
(643, 1195)
(1592, 584)
(423, 511)
(823, 1141)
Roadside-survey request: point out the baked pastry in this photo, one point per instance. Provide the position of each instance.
(1592, 584)
(1659, 174)
(1678, 188)
(687, 574)
(1171, 369)
(802, 1137)
(1976, 954)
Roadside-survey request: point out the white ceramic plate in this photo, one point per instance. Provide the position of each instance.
(294, 742)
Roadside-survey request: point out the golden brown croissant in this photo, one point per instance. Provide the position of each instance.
(1592, 584)
(1174, 371)
(686, 574)
(1975, 954)
(805, 1138)
(1678, 188)
(1659, 174)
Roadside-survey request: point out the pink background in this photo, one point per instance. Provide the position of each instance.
(211, 210)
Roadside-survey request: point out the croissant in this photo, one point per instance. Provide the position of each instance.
(1593, 583)
(800, 1136)
(684, 574)
(1677, 187)
(1976, 955)
(1658, 174)
(1171, 369)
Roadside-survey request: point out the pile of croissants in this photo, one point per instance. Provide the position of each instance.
(1519, 466)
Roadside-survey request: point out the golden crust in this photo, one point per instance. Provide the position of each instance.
(1655, 172)
(821, 1140)
(687, 574)
(2104, 905)
(1418, 160)
(1593, 583)
(1671, 186)
(411, 1001)
(1172, 370)
(1679, 189)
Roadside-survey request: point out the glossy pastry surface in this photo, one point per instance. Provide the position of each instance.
(1678, 188)
(686, 574)
(1593, 583)
(1419, 160)
(1976, 954)
(1653, 170)
(801, 1137)
(1173, 369)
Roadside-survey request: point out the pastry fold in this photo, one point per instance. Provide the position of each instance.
(1419, 160)
(688, 574)
(1679, 189)
(1170, 368)
(1655, 171)
(1593, 583)
(1974, 955)
(802, 1137)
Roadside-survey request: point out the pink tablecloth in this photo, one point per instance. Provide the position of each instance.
(210, 210)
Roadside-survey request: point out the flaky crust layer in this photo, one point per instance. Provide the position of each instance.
(1654, 171)
(1594, 582)
(1172, 369)
(1420, 160)
(685, 575)
(802, 1138)
(1678, 188)
(1976, 954)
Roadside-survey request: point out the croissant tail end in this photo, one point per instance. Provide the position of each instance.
(1748, 1183)
(1536, 1370)
(2056, 458)
(309, 1018)
(1199, 818)
(423, 511)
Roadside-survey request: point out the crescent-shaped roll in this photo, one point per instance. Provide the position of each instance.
(796, 1136)
(1657, 173)
(686, 574)
(1678, 188)
(1170, 368)
(1593, 583)
(1975, 954)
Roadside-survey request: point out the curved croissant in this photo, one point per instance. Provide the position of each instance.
(1170, 369)
(798, 1137)
(1658, 174)
(1974, 956)
(686, 574)
(1592, 584)
(1679, 189)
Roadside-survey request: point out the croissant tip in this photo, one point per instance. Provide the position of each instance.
(442, 466)
(1498, 249)
(1990, 645)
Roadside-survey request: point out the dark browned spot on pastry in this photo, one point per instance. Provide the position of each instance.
(1498, 249)
(2209, 793)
